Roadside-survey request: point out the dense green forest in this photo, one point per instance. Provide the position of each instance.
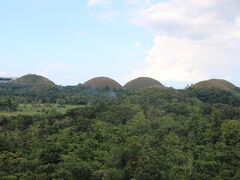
(82, 133)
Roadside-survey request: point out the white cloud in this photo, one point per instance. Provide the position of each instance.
(189, 17)
(140, 3)
(94, 3)
(194, 39)
(181, 59)
(106, 12)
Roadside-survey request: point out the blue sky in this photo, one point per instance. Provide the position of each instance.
(73, 41)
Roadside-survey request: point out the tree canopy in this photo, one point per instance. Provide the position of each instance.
(154, 133)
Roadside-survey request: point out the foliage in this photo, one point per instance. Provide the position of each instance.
(155, 133)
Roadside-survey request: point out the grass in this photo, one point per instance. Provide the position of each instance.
(142, 83)
(102, 82)
(37, 109)
(216, 83)
(34, 80)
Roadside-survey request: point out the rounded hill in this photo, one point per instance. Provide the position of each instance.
(142, 83)
(102, 82)
(34, 80)
(215, 84)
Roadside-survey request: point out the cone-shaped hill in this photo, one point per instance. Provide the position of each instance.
(215, 84)
(102, 82)
(142, 83)
(34, 81)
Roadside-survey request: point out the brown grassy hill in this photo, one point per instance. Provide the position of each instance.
(216, 84)
(102, 82)
(34, 81)
(142, 83)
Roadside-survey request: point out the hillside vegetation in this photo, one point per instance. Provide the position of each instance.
(85, 133)
(216, 84)
(102, 82)
(141, 83)
(34, 81)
